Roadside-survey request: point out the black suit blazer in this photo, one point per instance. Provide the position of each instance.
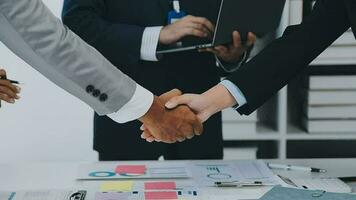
(288, 56)
(115, 28)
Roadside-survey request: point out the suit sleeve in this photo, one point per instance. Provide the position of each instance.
(120, 43)
(32, 32)
(288, 56)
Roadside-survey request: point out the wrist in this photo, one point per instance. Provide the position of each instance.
(153, 112)
(219, 99)
(161, 39)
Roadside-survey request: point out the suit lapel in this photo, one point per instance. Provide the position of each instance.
(351, 7)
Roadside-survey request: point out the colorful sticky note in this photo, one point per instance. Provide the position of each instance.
(172, 195)
(112, 196)
(117, 186)
(160, 186)
(131, 169)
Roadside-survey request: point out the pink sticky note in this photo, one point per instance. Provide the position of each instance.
(161, 195)
(160, 186)
(131, 169)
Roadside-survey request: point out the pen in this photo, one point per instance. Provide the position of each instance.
(297, 168)
(11, 81)
(241, 184)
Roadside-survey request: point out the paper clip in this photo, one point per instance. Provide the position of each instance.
(80, 195)
(318, 193)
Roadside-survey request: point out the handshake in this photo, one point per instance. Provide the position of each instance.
(170, 124)
(174, 117)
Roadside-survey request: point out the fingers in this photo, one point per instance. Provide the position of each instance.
(146, 134)
(143, 127)
(197, 26)
(251, 39)
(211, 50)
(168, 95)
(221, 49)
(201, 28)
(8, 84)
(176, 101)
(186, 31)
(2, 73)
(198, 127)
(8, 92)
(205, 22)
(236, 39)
(6, 98)
(150, 139)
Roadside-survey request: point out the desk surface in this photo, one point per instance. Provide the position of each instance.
(35, 176)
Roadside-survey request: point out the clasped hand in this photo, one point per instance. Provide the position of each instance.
(204, 105)
(170, 126)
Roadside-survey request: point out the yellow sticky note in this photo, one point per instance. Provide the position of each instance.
(117, 186)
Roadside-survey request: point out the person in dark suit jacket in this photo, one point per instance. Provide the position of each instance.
(123, 31)
(277, 64)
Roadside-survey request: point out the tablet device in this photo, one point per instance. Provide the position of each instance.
(257, 16)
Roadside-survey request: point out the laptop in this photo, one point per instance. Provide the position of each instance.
(257, 16)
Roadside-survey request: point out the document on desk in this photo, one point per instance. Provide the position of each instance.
(208, 172)
(122, 170)
(43, 195)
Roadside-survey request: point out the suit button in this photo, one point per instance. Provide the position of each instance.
(96, 93)
(103, 97)
(90, 89)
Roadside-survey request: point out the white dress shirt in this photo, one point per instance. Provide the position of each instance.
(137, 107)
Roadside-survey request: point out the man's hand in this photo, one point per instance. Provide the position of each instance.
(169, 126)
(233, 52)
(8, 91)
(187, 26)
(205, 105)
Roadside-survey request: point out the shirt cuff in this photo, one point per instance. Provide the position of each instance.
(149, 43)
(235, 92)
(137, 107)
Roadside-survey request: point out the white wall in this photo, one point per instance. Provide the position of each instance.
(47, 124)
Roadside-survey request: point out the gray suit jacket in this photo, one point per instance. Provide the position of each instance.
(31, 31)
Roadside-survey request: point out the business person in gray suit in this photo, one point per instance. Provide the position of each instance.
(32, 32)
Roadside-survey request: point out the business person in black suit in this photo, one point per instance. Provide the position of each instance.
(122, 31)
(277, 64)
